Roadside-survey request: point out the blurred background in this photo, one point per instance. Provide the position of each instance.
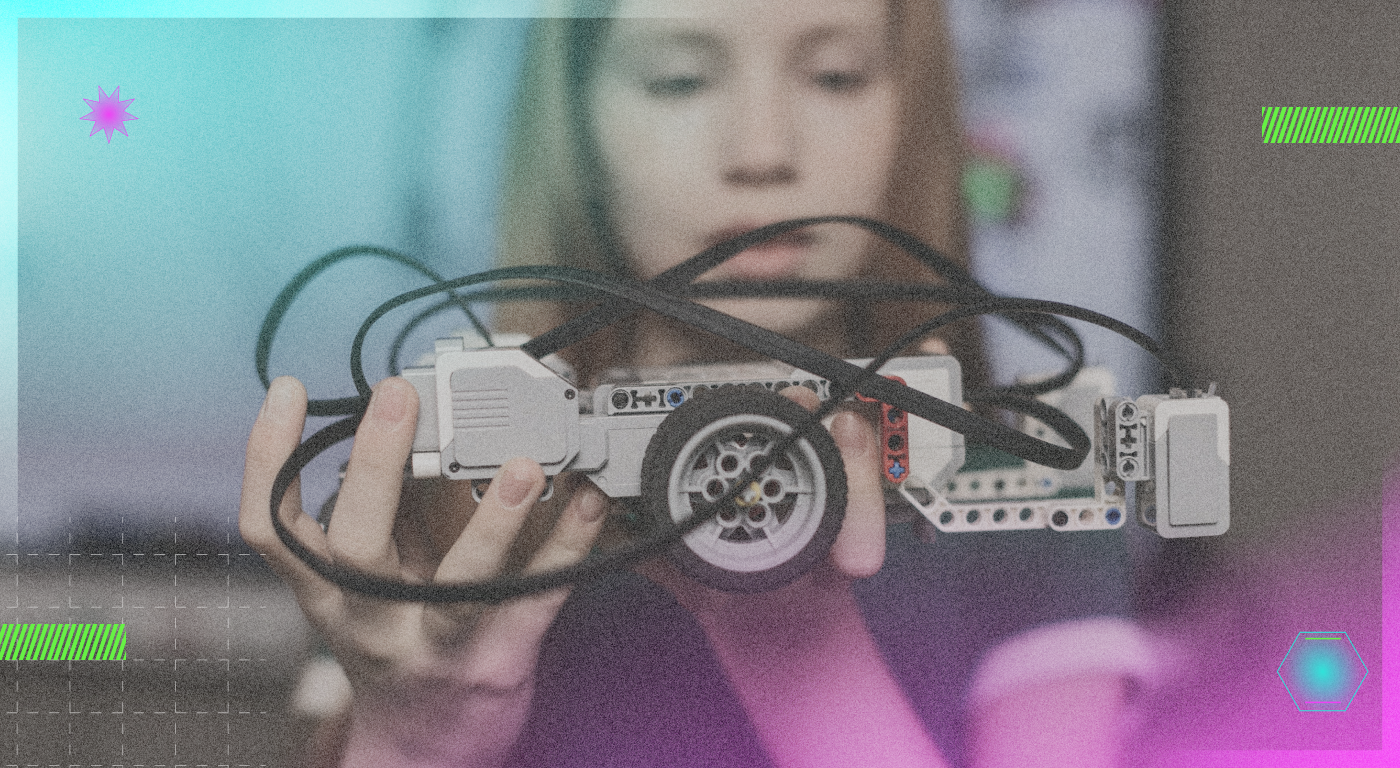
(1117, 165)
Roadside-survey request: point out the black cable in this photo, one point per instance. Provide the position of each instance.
(963, 288)
(866, 380)
(756, 338)
(402, 337)
(491, 591)
(280, 305)
(664, 295)
(788, 289)
(865, 290)
(685, 273)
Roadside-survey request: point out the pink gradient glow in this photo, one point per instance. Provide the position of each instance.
(108, 113)
(1220, 710)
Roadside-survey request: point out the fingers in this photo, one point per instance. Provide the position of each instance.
(512, 634)
(803, 397)
(487, 540)
(575, 532)
(274, 436)
(934, 346)
(859, 550)
(365, 509)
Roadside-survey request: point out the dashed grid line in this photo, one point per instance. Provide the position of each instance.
(24, 644)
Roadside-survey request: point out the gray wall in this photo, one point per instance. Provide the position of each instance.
(1283, 261)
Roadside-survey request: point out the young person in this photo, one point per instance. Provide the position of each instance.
(639, 141)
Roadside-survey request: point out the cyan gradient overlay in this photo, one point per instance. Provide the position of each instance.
(216, 119)
(1322, 671)
(147, 263)
(10, 13)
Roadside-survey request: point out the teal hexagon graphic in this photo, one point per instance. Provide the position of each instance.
(1322, 671)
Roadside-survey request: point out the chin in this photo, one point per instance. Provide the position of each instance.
(790, 317)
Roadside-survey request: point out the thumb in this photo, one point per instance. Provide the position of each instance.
(859, 550)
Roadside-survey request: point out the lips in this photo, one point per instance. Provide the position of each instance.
(779, 258)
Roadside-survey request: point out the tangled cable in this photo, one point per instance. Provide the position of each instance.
(670, 294)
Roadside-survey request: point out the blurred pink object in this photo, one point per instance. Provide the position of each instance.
(1221, 647)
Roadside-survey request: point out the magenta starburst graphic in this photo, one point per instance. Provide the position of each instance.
(108, 113)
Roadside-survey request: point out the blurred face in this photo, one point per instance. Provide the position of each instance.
(731, 114)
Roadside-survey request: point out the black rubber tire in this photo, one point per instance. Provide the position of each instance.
(725, 423)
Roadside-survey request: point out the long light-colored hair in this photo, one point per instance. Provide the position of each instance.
(553, 208)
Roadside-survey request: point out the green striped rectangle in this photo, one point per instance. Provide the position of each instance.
(62, 642)
(1331, 125)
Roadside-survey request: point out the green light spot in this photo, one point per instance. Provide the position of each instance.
(992, 190)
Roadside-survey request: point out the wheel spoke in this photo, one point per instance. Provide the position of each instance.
(793, 482)
(693, 484)
(722, 442)
(780, 535)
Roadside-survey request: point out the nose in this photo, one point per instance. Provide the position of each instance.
(761, 140)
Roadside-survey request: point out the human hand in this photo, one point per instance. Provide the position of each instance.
(434, 684)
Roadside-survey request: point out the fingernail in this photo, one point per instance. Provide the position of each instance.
(280, 395)
(934, 347)
(388, 405)
(592, 505)
(516, 482)
(852, 435)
